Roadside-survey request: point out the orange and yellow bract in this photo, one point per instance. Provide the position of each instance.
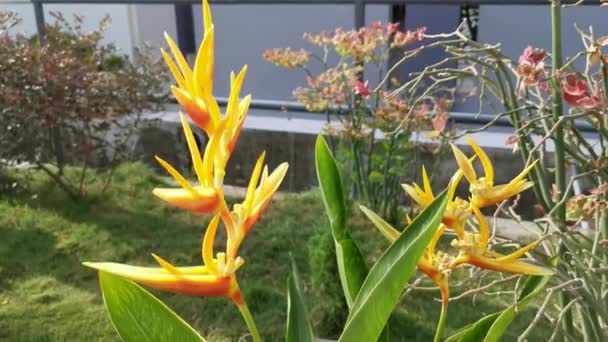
(194, 91)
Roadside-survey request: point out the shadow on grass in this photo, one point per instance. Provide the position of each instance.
(33, 251)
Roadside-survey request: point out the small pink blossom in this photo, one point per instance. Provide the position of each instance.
(376, 25)
(362, 88)
(531, 55)
(402, 39)
(422, 113)
(531, 68)
(391, 27)
(440, 121)
(420, 32)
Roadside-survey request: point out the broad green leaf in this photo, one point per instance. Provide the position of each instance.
(298, 326)
(474, 332)
(139, 316)
(383, 286)
(351, 264)
(532, 287)
(330, 183)
(351, 268)
(493, 326)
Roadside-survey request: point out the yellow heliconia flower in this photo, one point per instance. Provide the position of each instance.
(483, 191)
(474, 251)
(194, 93)
(457, 210)
(216, 277)
(202, 198)
(194, 89)
(244, 215)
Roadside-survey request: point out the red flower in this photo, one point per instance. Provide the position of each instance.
(362, 88)
(576, 93)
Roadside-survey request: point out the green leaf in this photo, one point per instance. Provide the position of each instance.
(376, 177)
(139, 316)
(493, 326)
(298, 326)
(331, 188)
(474, 332)
(383, 286)
(532, 287)
(351, 264)
(351, 268)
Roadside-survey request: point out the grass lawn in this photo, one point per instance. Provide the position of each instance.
(47, 295)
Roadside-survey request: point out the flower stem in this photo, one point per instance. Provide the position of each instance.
(441, 323)
(253, 329)
(445, 300)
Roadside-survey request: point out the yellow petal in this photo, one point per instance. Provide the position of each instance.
(173, 172)
(435, 239)
(500, 193)
(196, 109)
(455, 180)
(465, 165)
(427, 184)
(208, 241)
(518, 253)
(524, 173)
(233, 102)
(389, 232)
(268, 186)
(207, 19)
(193, 281)
(238, 124)
(485, 161)
(408, 219)
(516, 267)
(484, 231)
(181, 61)
(212, 106)
(415, 195)
(195, 154)
(202, 200)
(177, 75)
(253, 181)
(203, 65)
(166, 265)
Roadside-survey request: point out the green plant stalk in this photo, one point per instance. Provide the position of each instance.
(442, 319)
(560, 158)
(253, 329)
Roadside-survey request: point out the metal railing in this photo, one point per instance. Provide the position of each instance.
(359, 21)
